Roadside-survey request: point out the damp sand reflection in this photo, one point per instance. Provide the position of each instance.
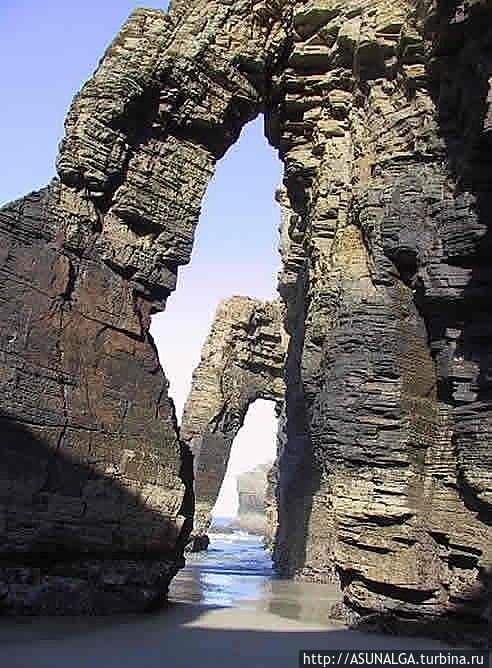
(237, 571)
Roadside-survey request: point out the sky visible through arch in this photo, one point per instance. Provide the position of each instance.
(48, 50)
(235, 253)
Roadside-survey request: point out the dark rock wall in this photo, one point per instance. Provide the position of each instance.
(96, 500)
(385, 455)
(93, 508)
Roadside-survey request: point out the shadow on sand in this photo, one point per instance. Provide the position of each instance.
(181, 636)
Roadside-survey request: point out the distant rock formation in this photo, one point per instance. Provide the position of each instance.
(382, 115)
(242, 360)
(251, 489)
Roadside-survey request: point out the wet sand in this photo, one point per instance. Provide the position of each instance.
(228, 609)
(184, 635)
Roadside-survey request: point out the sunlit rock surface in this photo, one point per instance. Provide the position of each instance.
(242, 360)
(384, 475)
(381, 114)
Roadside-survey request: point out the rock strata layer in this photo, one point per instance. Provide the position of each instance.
(242, 360)
(384, 473)
(381, 113)
(94, 506)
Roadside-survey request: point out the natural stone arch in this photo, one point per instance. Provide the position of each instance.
(142, 137)
(92, 464)
(381, 113)
(242, 360)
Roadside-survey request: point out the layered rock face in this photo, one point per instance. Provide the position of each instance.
(242, 360)
(381, 114)
(92, 488)
(384, 474)
(96, 498)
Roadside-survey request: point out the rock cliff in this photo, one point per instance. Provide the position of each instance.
(381, 114)
(384, 473)
(94, 505)
(251, 489)
(242, 360)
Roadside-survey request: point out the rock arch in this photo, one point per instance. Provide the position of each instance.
(382, 118)
(96, 487)
(242, 360)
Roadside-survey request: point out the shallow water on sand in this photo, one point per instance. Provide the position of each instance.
(237, 571)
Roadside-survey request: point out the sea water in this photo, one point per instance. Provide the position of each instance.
(234, 570)
(237, 571)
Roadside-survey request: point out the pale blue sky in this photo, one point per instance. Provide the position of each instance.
(47, 50)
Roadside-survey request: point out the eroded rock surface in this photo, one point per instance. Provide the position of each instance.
(96, 500)
(381, 114)
(93, 496)
(242, 360)
(384, 473)
(251, 490)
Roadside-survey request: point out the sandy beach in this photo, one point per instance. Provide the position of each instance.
(181, 636)
(227, 609)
